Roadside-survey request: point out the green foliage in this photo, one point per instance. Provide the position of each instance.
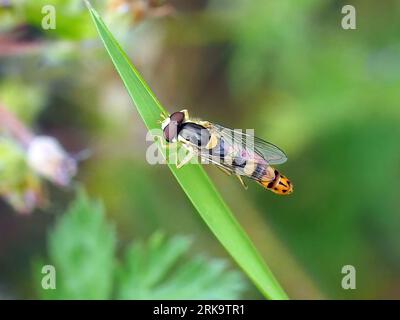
(13, 165)
(83, 252)
(19, 185)
(72, 21)
(331, 98)
(152, 271)
(193, 179)
(23, 99)
(82, 249)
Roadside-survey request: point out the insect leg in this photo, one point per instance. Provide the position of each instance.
(162, 142)
(186, 159)
(164, 115)
(241, 181)
(224, 170)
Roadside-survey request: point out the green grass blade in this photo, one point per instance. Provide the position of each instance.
(192, 178)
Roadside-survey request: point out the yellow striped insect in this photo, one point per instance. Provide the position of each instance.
(232, 151)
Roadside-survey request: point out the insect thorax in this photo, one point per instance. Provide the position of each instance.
(194, 134)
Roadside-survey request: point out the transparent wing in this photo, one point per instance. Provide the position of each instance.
(216, 162)
(268, 151)
(213, 158)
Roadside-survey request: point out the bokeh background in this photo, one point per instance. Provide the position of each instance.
(329, 97)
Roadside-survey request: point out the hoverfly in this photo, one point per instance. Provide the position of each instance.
(232, 151)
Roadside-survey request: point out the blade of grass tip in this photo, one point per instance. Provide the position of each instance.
(193, 179)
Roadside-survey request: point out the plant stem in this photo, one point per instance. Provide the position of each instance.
(13, 126)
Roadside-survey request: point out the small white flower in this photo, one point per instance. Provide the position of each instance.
(48, 158)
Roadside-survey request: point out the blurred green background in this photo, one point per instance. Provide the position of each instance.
(327, 96)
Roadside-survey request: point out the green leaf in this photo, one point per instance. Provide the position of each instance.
(154, 271)
(71, 21)
(192, 178)
(82, 248)
(23, 99)
(19, 185)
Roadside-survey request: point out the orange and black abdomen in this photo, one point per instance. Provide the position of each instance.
(255, 167)
(279, 184)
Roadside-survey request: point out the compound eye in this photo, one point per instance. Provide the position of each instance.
(177, 117)
(170, 132)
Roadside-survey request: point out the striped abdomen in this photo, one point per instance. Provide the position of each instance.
(254, 167)
(279, 184)
(235, 158)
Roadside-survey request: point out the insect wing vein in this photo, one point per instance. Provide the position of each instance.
(268, 151)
